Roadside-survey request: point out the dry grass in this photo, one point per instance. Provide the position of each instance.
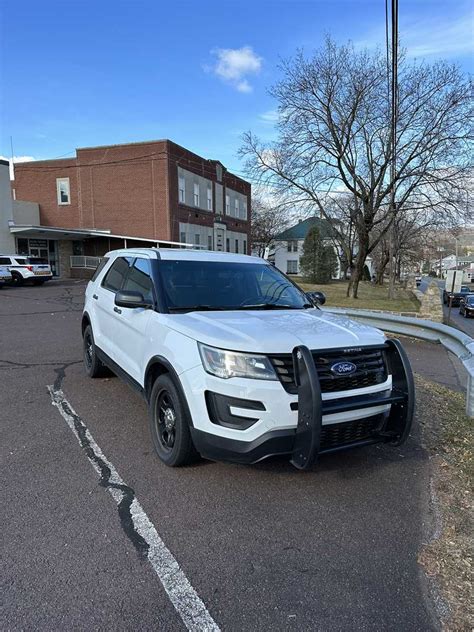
(370, 296)
(448, 435)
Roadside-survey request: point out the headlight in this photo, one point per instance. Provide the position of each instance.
(228, 364)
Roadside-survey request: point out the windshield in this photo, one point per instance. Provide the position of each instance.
(470, 300)
(225, 285)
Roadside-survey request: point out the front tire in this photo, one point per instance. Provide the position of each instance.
(169, 424)
(17, 279)
(93, 366)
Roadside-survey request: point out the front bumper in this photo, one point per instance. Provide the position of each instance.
(322, 424)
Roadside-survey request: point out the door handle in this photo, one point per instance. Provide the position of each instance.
(95, 296)
(116, 309)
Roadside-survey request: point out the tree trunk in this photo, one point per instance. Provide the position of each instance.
(358, 269)
(381, 269)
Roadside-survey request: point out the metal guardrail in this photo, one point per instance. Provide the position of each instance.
(459, 343)
(81, 261)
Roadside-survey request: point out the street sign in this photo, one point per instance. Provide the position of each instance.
(454, 280)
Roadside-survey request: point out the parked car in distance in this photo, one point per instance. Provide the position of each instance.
(455, 297)
(27, 269)
(5, 276)
(236, 363)
(466, 306)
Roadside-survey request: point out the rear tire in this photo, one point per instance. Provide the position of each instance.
(93, 366)
(17, 279)
(169, 424)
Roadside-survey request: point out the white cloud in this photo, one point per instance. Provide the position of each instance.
(271, 116)
(16, 159)
(429, 37)
(235, 64)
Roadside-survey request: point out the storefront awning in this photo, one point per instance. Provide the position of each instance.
(53, 232)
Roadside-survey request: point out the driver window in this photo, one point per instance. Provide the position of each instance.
(139, 279)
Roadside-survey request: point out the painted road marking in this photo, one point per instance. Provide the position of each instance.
(137, 525)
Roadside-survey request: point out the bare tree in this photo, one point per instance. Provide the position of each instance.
(334, 135)
(269, 217)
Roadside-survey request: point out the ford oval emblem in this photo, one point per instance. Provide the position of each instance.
(344, 368)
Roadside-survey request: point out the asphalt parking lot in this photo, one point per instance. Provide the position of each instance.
(262, 548)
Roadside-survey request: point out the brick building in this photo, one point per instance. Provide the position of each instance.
(134, 194)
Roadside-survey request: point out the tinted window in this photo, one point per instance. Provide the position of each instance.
(99, 268)
(4, 261)
(115, 276)
(138, 279)
(34, 261)
(227, 285)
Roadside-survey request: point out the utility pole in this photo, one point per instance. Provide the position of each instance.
(393, 142)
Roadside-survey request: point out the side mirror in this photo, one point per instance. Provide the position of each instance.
(317, 298)
(127, 298)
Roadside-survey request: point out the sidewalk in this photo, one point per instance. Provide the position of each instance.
(435, 363)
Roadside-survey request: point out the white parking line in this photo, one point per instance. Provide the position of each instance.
(138, 526)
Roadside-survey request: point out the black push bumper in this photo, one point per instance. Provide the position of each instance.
(311, 438)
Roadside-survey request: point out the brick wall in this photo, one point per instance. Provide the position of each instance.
(129, 189)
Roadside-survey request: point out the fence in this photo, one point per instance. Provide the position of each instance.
(81, 261)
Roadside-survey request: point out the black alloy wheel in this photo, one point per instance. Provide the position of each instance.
(169, 423)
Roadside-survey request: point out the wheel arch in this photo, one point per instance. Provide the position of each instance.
(158, 365)
(85, 322)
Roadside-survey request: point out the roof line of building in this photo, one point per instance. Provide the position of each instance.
(19, 228)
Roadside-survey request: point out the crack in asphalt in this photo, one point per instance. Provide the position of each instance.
(128, 494)
(9, 364)
(134, 521)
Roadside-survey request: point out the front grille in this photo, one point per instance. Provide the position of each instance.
(371, 369)
(338, 435)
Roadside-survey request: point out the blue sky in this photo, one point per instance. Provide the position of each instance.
(81, 73)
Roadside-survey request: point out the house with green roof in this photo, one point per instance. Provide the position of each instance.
(289, 244)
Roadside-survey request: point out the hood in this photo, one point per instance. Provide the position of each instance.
(274, 331)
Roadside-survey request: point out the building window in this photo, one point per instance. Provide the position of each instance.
(245, 246)
(182, 190)
(209, 198)
(236, 245)
(236, 208)
(227, 205)
(291, 267)
(243, 209)
(292, 246)
(197, 239)
(196, 194)
(227, 244)
(63, 191)
(182, 237)
(209, 242)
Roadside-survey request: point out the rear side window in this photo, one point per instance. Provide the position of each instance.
(114, 278)
(5, 261)
(99, 268)
(139, 279)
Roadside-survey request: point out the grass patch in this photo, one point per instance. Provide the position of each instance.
(448, 435)
(370, 296)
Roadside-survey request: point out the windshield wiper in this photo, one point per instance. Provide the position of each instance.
(270, 306)
(197, 308)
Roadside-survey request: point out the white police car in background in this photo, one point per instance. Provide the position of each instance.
(5, 276)
(237, 363)
(23, 269)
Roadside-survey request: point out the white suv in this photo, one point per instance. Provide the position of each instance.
(23, 268)
(237, 363)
